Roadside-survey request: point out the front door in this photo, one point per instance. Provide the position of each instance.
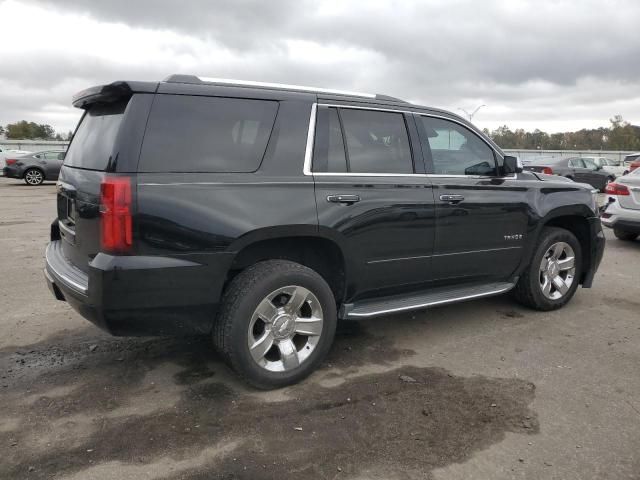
(481, 217)
(374, 198)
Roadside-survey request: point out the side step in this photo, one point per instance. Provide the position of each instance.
(438, 296)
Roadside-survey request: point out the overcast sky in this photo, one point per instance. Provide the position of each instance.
(555, 65)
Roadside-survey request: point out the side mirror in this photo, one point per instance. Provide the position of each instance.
(511, 165)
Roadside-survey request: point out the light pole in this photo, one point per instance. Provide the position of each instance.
(472, 114)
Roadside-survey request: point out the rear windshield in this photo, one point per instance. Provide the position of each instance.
(206, 134)
(93, 142)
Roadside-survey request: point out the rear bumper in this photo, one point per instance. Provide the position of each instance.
(11, 172)
(139, 295)
(614, 216)
(596, 251)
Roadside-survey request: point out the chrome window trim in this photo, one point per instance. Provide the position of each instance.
(308, 154)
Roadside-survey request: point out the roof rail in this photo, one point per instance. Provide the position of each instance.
(249, 83)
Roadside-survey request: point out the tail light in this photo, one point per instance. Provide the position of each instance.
(116, 233)
(11, 161)
(547, 170)
(616, 189)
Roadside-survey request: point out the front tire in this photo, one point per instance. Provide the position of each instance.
(624, 235)
(552, 277)
(276, 323)
(33, 177)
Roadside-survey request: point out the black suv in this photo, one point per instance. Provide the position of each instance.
(262, 213)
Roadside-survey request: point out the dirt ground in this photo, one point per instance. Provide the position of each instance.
(480, 390)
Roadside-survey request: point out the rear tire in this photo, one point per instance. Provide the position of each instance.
(33, 177)
(552, 277)
(276, 323)
(624, 235)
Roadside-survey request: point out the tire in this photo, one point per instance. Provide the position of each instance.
(33, 176)
(256, 309)
(530, 289)
(624, 235)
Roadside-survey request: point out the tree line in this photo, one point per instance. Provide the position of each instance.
(24, 130)
(619, 135)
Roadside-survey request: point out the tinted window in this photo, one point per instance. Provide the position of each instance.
(206, 134)
(93, 142)
(455, 150)
(377, 142)
(328, 151)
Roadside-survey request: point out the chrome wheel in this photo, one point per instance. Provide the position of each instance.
(285, 328)
(34, 177)
(557, 270)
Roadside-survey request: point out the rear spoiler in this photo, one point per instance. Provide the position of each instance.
(112, 92)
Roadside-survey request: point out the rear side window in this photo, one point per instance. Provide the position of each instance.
(93, 142)
(206, 134)
(329, 154)
(377, 142)
(361, 141)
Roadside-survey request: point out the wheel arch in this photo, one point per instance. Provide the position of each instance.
(574, 219)
(304, 245)
(34, 167)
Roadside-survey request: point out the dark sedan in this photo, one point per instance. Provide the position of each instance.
(578, 169)
(35, 168)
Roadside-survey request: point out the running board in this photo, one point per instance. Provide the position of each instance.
(431, 298)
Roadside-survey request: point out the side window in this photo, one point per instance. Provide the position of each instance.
(376, 141)
(455, 150)
(590, 164)
(328, 146)
(206, 134)
(576, 163)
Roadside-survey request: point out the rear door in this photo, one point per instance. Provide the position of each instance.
(373, 196)
(580, 171)
(107, 140)
(53, 163)
(481, 217)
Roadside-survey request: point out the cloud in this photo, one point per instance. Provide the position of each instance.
(554, 65)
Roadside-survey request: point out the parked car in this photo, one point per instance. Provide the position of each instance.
(35, 168)
(260, 214)
(622, 213)
(5, 152)
(578, 169)
(632, 161)
(613, 167)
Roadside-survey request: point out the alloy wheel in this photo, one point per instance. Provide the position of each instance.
(557, 270)
(34, 177)
(285, 328)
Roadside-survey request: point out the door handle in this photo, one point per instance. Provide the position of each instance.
(348, 199)
(452, 199)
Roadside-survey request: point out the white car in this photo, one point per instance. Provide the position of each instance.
(623, 206)
(6, 152)
(610, 166)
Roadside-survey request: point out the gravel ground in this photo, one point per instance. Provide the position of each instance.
(484, 389)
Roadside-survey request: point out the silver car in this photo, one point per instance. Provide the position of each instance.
(36, 167)
(623, 208)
